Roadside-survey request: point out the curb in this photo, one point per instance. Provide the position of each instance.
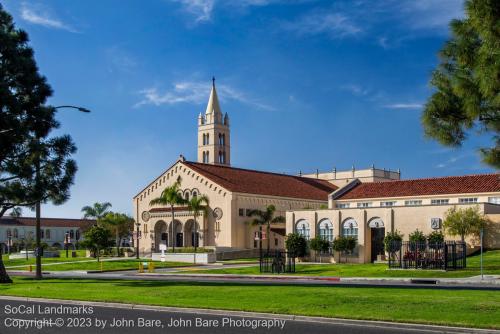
(299, 318)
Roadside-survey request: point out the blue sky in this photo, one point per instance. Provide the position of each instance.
(307, 84)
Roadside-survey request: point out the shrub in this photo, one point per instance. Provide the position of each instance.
(392, 241)
(319, 245)
(344, 245)
(417, 240)
(435, 239)
(296, 244)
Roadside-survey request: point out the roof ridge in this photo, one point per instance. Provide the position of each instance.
(253, 170)
(437, 178)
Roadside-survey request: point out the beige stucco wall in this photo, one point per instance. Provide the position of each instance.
(405, 219)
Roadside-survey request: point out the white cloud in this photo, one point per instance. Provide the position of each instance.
(355, 89)
(40, 16)
(335, 24)
(200, 9)
(404, 106)
(195, 93)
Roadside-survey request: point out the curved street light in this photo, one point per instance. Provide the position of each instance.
(38, 253)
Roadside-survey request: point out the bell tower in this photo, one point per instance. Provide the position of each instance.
(213, 133)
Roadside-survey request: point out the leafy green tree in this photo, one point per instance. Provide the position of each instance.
(467, 81)
(464, 222)
(344, 245)
(121, 224)
(392, 241)
(25, 124)
(296, 244)
(265, 218)
(97, 211)
(435, 239)
(319, 245)
(196, 205)
(417, 240)
(97, 238)
(171, 196)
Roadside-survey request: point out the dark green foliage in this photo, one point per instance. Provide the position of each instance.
(97, 238)
(296, 244)
(417, 240)
(392, 241)
(265, 218)
(435, 237)
(319, 244)
(344, 245)
(467, 82)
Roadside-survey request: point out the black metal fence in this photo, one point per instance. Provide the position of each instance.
(277, 262)
(423, 255)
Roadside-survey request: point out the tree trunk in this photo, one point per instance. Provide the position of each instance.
(173, 236)
(268, 239)
(117, 243)
(4, 277)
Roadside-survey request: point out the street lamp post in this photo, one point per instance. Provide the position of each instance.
(137, 238)
(38, 253)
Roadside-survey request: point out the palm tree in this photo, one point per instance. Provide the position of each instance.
(121, 224)
(170, 196)
(267, 218)
(97, 211)
(197, 205)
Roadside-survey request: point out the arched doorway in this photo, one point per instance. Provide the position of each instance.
(377, 233)
(178, 236)
(161, 235)
(191, 233)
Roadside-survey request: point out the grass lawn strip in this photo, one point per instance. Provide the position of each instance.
(491, 267)
(467, 308)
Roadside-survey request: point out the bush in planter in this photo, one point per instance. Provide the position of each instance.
(319, 245)
(344, 245)
(417, 240)
(392, 241)
(296, 244)
(436, 240)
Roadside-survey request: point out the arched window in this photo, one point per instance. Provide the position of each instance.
(220, 157)
(71, 234)
(195, 194)
(186, 195)
(326, 230)
(302, 228)
(15, 233)
(224, 157)
(223, 139)
(208, 139)
(350, 228)
(47, 234)
(208, 157)
(220, 139)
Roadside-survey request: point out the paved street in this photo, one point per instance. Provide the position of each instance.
(78, 317)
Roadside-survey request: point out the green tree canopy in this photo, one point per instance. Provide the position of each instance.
(97, 211)
(296, 244)
(97, 238)
(464, 222)
(467, 82)
(196, 205)
(119, 223)
(25, 124)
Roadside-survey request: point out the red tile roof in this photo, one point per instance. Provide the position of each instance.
(264, 183)
(465, 184)
(48, 222)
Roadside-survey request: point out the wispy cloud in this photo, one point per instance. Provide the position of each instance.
(200, 9)
(355, 89)
(120, 59)
(404, 106)
(40, 16)
(195, 93)
(335, 24)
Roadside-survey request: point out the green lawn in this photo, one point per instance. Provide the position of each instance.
(491, 267)
(91, 264)
(469, 308)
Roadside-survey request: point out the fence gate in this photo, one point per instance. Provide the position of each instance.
(423, 255)
(277, 262)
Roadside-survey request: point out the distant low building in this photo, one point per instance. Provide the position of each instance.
(21, 230)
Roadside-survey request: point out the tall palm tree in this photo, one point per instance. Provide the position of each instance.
(267, 218)
(121, 223)
(197, 205)
(170, 196)
(97, 211)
